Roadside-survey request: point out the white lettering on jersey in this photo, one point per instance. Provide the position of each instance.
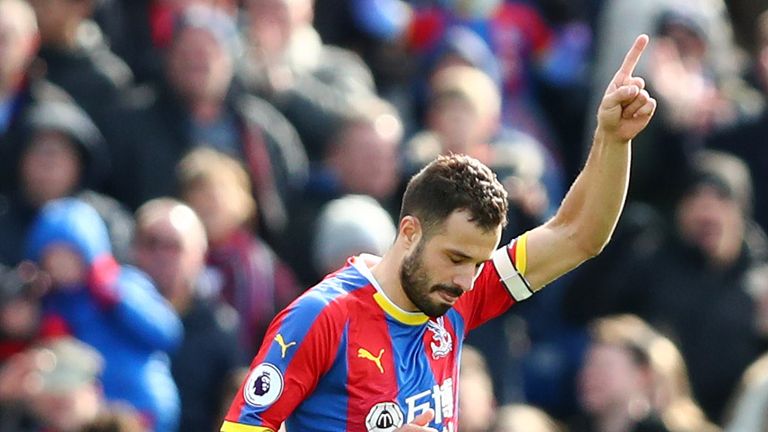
(439, 398)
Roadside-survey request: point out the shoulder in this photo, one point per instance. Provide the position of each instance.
(333, 297)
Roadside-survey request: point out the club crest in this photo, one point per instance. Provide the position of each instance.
(441, 344)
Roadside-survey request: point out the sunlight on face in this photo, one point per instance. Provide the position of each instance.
(443, 266)
(65, 265)
(610, 378)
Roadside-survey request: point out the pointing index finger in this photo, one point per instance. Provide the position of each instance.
(631, 60)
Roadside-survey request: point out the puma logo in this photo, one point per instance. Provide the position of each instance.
(364, 353)
(283, 346)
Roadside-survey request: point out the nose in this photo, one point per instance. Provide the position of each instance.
(464, 281)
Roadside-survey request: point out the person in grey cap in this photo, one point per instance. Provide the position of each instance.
(348, 226)
(62, 154)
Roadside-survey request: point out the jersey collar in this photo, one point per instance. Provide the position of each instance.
(381, 298)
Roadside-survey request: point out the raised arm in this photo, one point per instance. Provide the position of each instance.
(590, 210)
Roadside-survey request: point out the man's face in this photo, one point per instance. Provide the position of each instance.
(442, 267)
(361, 144)
(610, 378)
(50, 167)
(199, 68)
(170, 258)
(712, 223)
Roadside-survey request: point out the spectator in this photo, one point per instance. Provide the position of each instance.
(114, 308)
(745, 140)
(20, 291)
(692, 286)
(20, 83)
(616, 382)
(196, 107)
(673, 397)
(77, 59)
(361, 158)
(56, 385)
(242, 269)
(140, 30)
(464, 116)
(287, 63)
(524, 418)
(170, 246)
(63, 154)
(477, 404)
(349, 226)
(521, 40)
(693, 68)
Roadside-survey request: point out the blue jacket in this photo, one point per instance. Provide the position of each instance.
(117, 310)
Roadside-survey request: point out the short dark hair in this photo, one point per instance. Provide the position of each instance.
(455, 182)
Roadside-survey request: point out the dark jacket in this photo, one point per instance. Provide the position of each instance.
(205, 361)
(90, 73)
(318, 99)
(706, 311)
(17, 213)
(154, 133)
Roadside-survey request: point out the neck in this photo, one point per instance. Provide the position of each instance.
(616, 420)
(66, 39)
(387, 274)
(205, 111)
(183, 301)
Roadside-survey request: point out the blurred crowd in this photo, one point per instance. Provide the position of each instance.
(174, 172)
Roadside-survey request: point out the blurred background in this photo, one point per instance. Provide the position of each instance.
(174, 172)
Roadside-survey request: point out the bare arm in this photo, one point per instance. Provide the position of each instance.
(590, 210)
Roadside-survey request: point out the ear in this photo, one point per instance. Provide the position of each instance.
(410, 231)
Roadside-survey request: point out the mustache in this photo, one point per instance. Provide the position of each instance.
(450, 289)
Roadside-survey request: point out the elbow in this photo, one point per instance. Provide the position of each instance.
(593, 246)
(589, 245)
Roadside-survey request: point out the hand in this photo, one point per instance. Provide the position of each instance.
(693, 99)
(626, 107)
(419, 424)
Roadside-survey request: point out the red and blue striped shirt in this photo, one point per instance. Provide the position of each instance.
(343, 357)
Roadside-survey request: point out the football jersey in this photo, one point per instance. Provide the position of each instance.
(344, 357)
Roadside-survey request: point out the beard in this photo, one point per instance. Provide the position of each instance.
(417, 285)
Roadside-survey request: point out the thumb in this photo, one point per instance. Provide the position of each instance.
(424, 418)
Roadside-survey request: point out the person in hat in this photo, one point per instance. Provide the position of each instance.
(63, 154)
(115, 308)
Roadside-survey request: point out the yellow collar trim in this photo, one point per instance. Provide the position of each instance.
(410, 318)
(393, 310)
